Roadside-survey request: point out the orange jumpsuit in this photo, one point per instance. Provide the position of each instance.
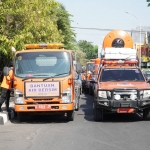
(6, 86)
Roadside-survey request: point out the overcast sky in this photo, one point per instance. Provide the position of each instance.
(104, 14)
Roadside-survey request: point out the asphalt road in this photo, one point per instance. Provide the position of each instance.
(117, 132)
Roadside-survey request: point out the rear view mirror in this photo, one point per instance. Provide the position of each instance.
(76, 76)
(5, 71)
(148, 80)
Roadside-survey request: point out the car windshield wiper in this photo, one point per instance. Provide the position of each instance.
(40, 75)
(27, 78)
(33, 76)
(113, 80)
(110, 80)
(132, 80)
(55, 76)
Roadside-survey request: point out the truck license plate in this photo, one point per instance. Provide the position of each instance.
(125, 110)
(43, 107)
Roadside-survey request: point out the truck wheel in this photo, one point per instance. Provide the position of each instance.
(70, 115)
(98, 114)
(81, 91)
(87, 90)
(90, 91)
(146, 114)
(77, 105)
(22, 116)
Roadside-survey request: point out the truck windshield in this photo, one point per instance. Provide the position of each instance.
(42, 64)
(121, 75)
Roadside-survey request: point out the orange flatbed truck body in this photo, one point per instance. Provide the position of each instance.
(44, 81)
(121, 86)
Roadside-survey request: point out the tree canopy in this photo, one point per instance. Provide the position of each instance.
(64, 25)
(148, 3)
(87, 47)
(34, 21)
(46, 21)
(27, 22)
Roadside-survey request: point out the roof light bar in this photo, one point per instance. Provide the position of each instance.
(39, 46)
(120, 62)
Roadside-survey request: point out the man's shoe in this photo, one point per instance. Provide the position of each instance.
(8, 110)
(1, 110)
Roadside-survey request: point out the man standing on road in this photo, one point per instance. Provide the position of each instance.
(6, 87)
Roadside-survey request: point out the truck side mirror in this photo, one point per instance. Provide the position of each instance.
(76, 76)
(5, 71)
(148, 80)
(78, 68)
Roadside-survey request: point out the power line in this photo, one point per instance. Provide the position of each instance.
(91, 34)
(106, 29)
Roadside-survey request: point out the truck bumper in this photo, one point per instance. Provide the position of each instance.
(114, 105)
(44, 108)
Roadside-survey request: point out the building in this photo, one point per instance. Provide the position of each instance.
(145, 39)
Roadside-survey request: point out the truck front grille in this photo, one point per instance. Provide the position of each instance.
(42, 99)
(126, 94)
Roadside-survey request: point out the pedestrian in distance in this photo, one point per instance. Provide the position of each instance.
(6, 88)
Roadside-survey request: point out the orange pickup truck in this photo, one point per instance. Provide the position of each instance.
(121, 86)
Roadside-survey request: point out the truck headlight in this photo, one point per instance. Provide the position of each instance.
(146, 94)
(67, 95)
(18, 97)
(102, 94)
(117, 97)
(133, 97)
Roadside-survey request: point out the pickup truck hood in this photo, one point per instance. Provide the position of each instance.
(123, 84)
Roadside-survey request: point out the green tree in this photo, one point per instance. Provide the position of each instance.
(79, 55)
(90, 50)
(26, 21)
(148, 3)
(64, 25)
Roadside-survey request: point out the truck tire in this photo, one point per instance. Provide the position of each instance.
(87, 90)
(146, 114)
(81, 91)
(98, 114)
(70, 115)
(77, 104)
(22, 116)
(90, 91)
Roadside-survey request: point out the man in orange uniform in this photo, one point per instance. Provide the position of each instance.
(82, 76)
(6, 87)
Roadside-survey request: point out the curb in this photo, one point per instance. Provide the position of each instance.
(5, 116)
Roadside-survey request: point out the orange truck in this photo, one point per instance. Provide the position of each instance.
(93, 74)
(44, 81)
(121, 86)
(96, 68)
(88, 77)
